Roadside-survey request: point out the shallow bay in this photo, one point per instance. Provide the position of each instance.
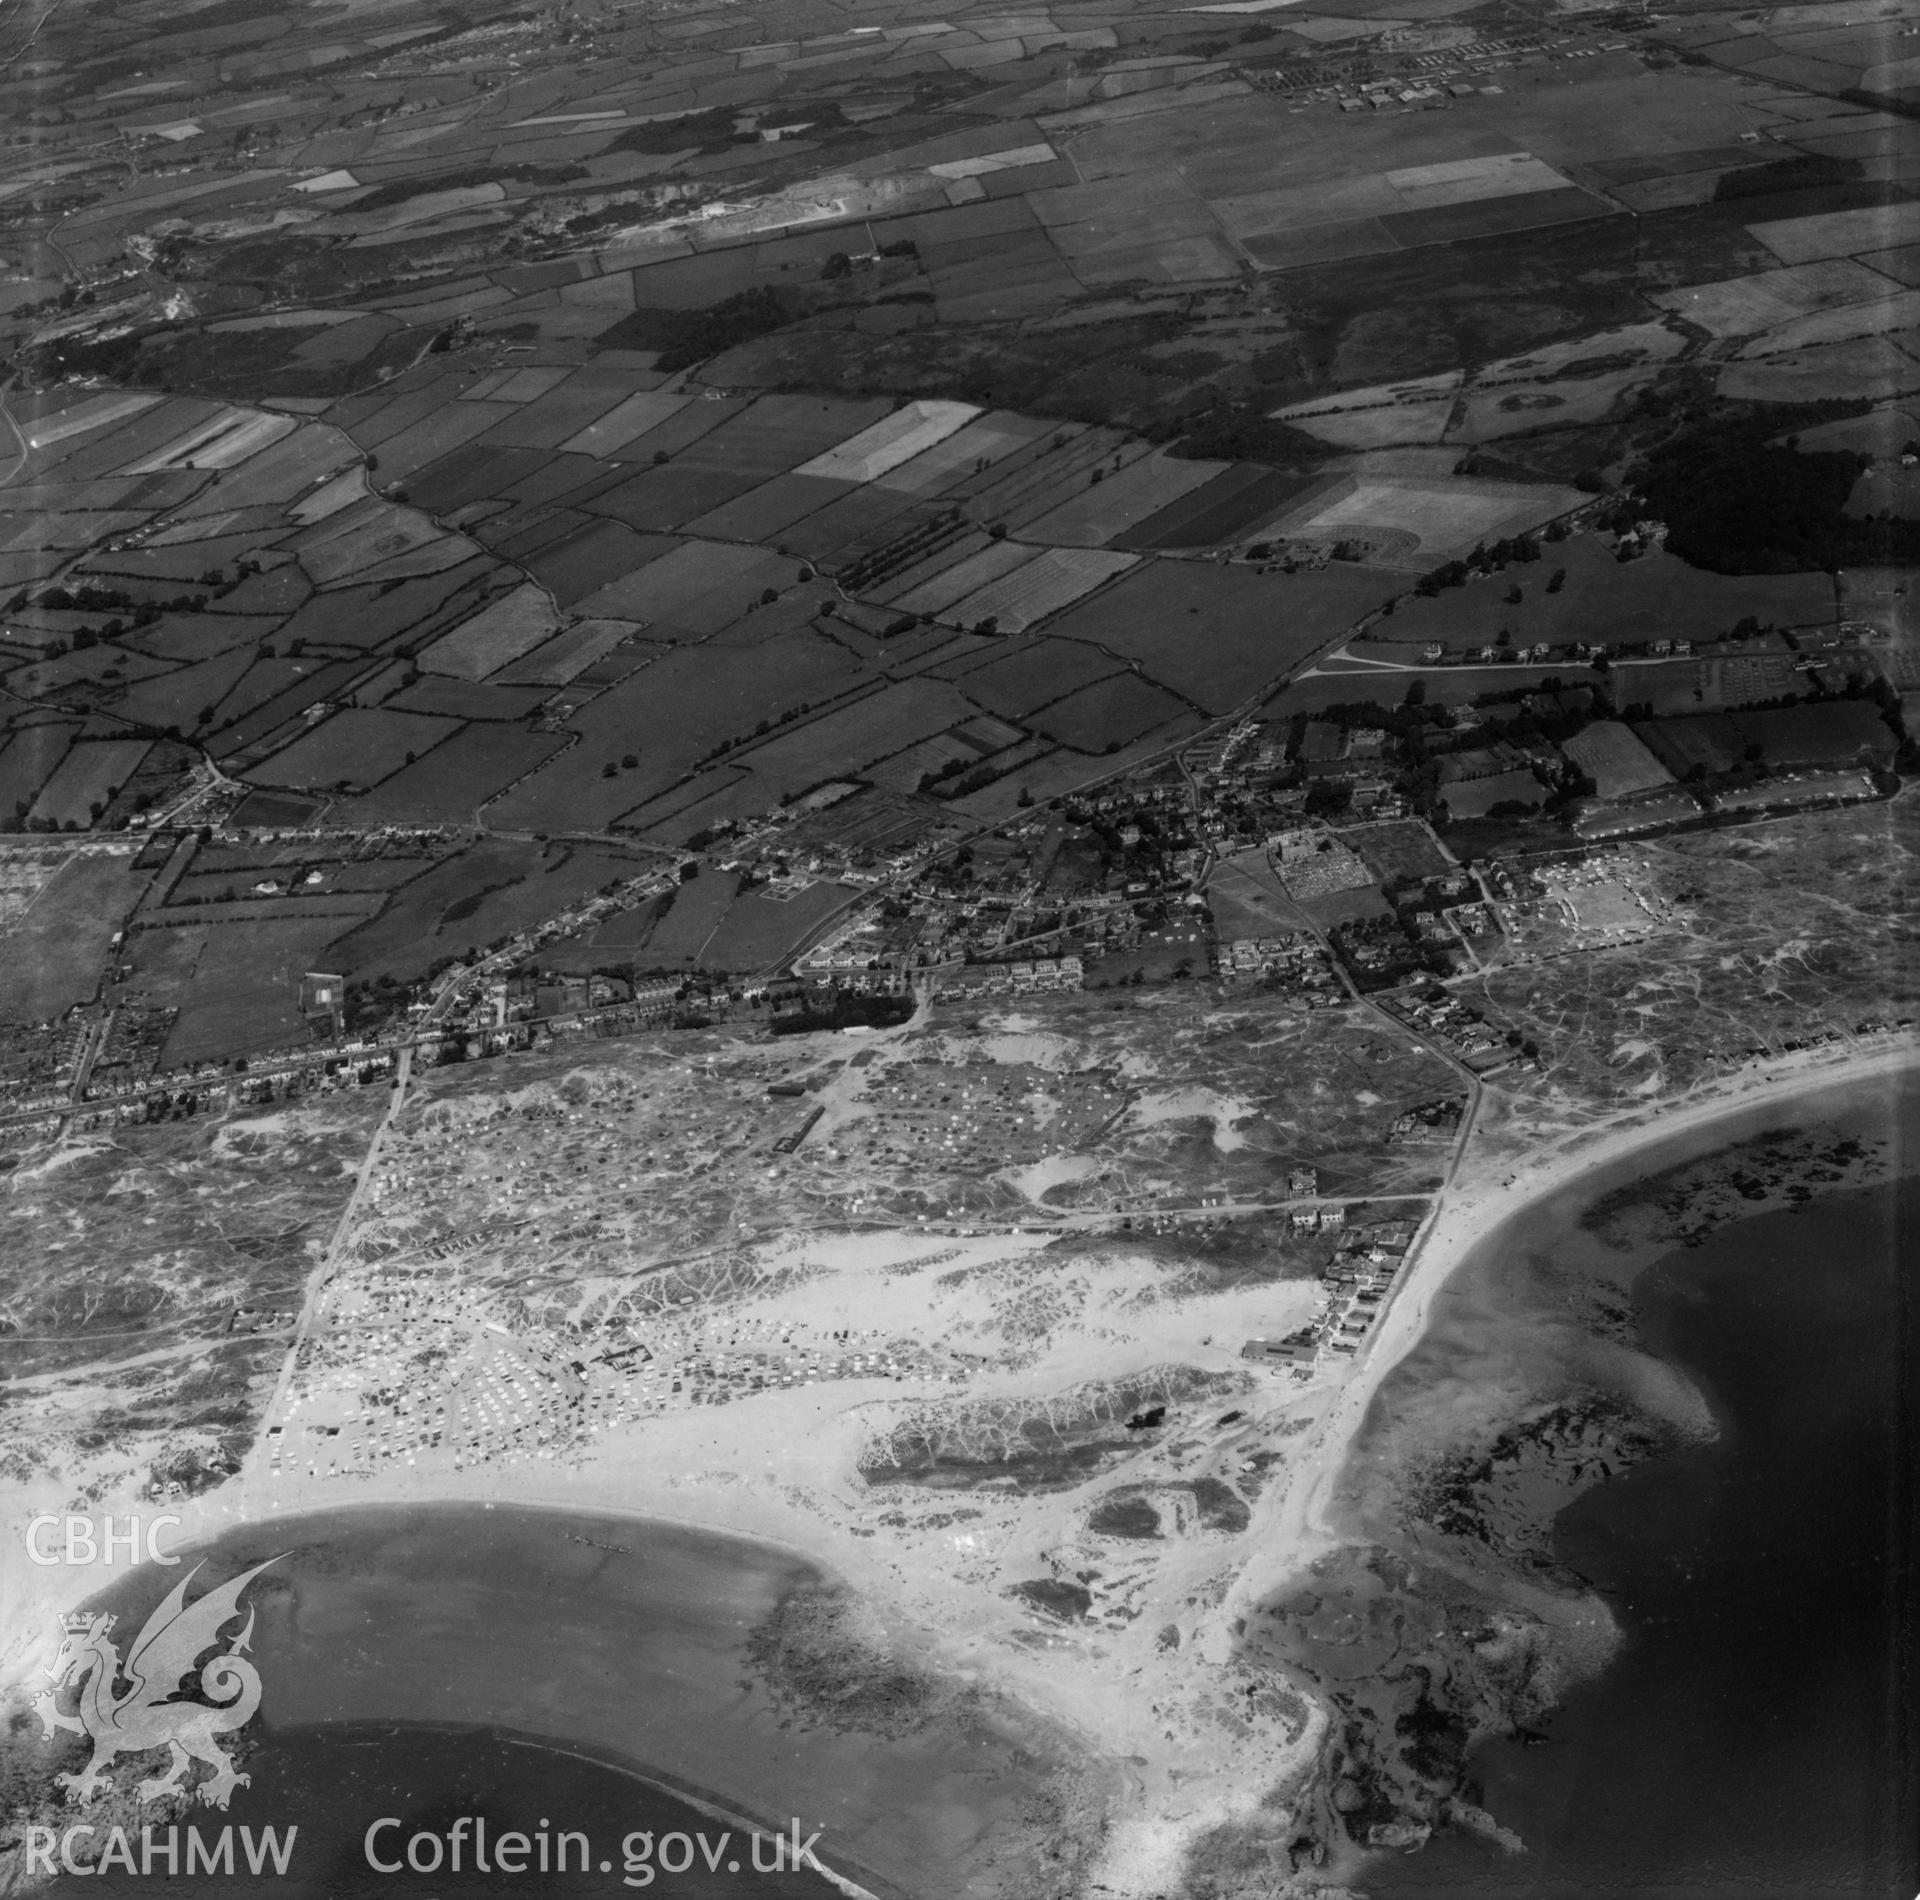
(621, 1638)
(1755, 1732)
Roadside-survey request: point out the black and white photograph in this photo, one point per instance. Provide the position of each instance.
(957, 951)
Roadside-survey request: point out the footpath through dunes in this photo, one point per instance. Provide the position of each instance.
(724, 1669)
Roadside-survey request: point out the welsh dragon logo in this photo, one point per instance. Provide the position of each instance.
(151, 1712)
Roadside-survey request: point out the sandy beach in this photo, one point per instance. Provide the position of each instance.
(623, 1637)
(506, 1616)
(783, 1473)
(1299, 1522)
(1662, 1413)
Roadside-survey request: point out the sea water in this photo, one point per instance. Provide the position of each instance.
(1756, 1733)
(573, 1670)
(420, 1788)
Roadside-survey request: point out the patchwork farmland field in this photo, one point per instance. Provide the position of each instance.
(568, 654)
(1034, 673)
(610, 545)
(488, 891)
(83, 784)
(1024, 596)
(670, 715)
(502, 631)
(448, 784)
(354, 746)
(1108, 714)
(1251, 628)
(698, 587)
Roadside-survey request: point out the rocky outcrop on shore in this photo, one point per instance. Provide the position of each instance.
(1780, 1167)
(1418, 1662)
(1448, 1618)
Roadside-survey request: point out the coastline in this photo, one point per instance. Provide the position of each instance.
(1741, 1739)
(539, 1624)
(612, 1480)
(786, 1486)
(1303, 1521)
(1431, 1601)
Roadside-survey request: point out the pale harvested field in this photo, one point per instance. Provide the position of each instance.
(208, 444)
(936, 595)
(84, 417)
(1867, 366)
(1384, 427)
(1833, 233)
(1446, 517)
(893, 440)
(1051, 581)
(1647, 342)
(989, 439)
(1468, 180)
(1742, 306)
(504, 631)
(1901, 311)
